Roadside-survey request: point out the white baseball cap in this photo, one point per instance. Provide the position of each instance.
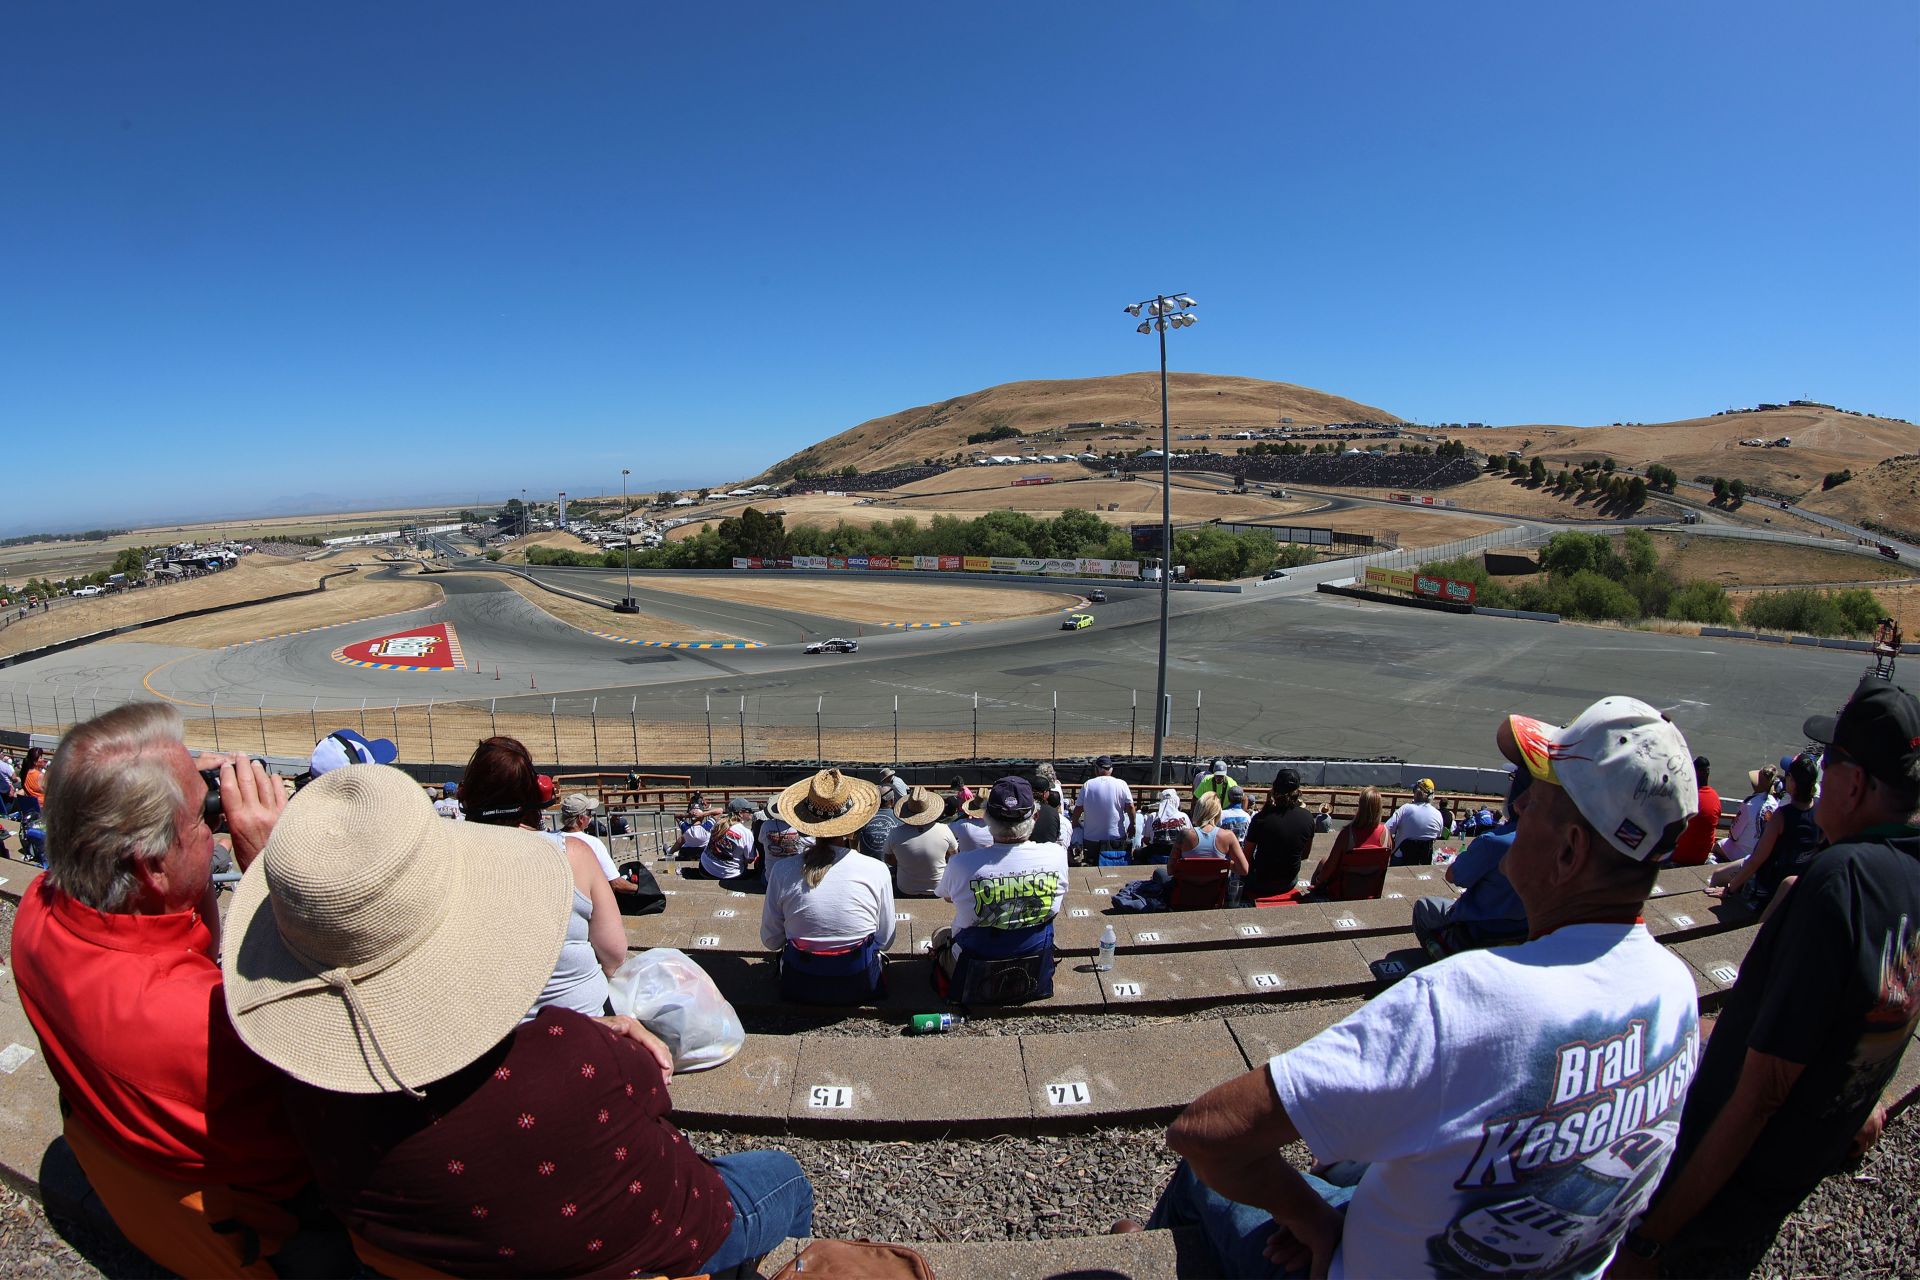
(1625, 767)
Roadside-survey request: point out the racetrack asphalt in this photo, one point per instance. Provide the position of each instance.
(1278, 670)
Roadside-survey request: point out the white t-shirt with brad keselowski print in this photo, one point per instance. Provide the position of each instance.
(1517, 1106)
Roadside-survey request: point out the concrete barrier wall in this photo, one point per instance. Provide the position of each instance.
(1381, 597)
(1528, 614)
(1823, 642)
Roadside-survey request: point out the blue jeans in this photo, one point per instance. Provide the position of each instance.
(1238, 1233)
(772, 1200)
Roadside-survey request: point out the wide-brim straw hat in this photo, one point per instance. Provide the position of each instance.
(829, 804)
(920, 808)
(375, 948)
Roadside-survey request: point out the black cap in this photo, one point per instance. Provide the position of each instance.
(1286, 780)
(1011, 800)
(1103, 762)
(1879, 728)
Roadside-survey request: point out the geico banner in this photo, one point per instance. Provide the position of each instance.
(953, 562)
(1126, 568)
(1097, 566)
(856, 562)
(1062, 566)
(975, 564)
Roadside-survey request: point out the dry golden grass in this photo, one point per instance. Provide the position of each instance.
(872, 599)
(588, 617)
(515, 552)
(1735, 563)
(970, 477)
(253, 577)
(1138, 500)
(1823, 440)
(1888, 494)
(344, 600)
(1196, 401)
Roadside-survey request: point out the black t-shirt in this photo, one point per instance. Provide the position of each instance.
(1799, 838)
(1831, 982)
(1280, 840)
(873, 836)
(1046, 824)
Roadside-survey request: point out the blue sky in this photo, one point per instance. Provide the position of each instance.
(255, 256)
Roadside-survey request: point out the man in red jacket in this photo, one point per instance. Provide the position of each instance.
(178, 1126)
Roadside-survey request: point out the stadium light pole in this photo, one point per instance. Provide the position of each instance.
(1164, 311)
(627, 603)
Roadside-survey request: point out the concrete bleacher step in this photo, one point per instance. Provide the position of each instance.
(1054, 1082)
(1138, 1255)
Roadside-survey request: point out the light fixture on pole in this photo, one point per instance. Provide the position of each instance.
(627, 603)
(1164, 311)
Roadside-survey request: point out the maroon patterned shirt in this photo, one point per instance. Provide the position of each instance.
(551, 1156)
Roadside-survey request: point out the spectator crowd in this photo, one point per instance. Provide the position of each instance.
(397, 1049)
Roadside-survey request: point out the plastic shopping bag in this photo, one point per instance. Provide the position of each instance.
(678, 1002)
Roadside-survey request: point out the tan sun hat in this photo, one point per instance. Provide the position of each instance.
(829, 804)
(920, 808)
(374, 948)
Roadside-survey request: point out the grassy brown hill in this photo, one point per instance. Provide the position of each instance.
(1888, 495)
(1196, 402)
(1823, 440)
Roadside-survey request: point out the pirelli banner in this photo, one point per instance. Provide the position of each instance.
(1390, 579)
(1031, 565)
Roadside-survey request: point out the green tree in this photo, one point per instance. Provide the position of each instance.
(1737, 490)
(1606, 464)
(1704, 602)
(753, 533)
(1516, 468)
(1638, 552)
(1719, 489)
(1536, 472)
(1636, 493)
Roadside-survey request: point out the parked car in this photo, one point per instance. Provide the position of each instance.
(90, 590)
(838, 644)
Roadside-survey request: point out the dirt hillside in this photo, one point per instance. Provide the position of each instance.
(1196, 401)
(1823, 440)
(1888, 495)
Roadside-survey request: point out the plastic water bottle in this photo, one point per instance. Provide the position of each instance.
(932, 1024)
(1107, 944)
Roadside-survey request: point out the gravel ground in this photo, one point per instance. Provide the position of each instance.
(1866, 1224)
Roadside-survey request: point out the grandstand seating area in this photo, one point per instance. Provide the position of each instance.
(1211, 992)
